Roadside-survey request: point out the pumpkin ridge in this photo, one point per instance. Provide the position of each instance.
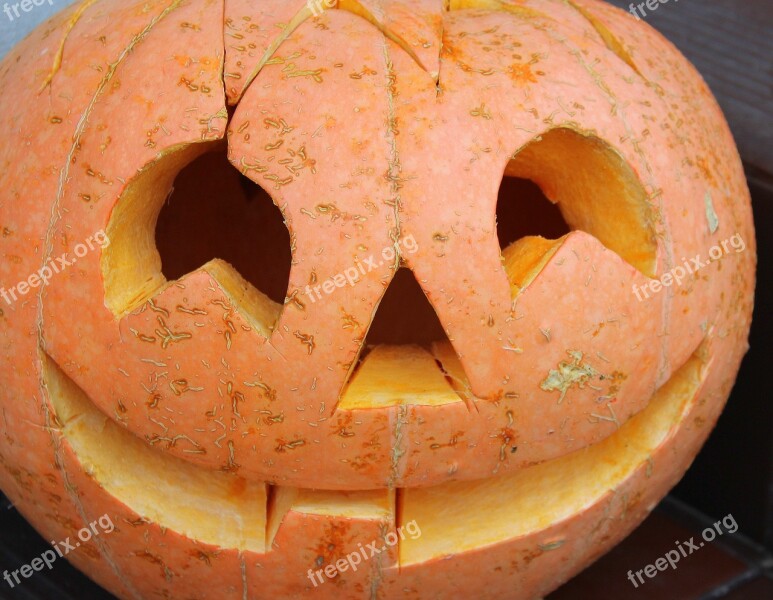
(48, 249)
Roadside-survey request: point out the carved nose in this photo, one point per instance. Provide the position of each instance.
(407, 357)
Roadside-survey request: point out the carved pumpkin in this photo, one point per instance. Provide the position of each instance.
(248, 423)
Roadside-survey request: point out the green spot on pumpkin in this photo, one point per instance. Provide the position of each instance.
(568, 374)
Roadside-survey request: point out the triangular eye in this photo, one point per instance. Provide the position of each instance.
(214, 212)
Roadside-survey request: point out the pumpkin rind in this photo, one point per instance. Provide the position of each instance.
(371, 123)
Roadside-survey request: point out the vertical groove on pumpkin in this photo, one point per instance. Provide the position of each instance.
(609, 39)
(56, 426)
(93, 352)
(81, 127)
(394, 168)
(54, 217)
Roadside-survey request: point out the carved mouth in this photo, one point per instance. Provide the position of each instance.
(227, 511)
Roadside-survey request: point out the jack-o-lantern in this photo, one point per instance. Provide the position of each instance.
(248, 380)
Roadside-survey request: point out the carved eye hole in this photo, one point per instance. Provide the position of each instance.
(593, 189)
(214, 212)
(192, 209)
(523, 210)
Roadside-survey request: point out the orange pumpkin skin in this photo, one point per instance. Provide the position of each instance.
(579, 406)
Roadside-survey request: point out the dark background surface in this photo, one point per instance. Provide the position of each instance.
(731, 43)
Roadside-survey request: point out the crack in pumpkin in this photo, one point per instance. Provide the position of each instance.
(438, 86)
(69, 26)
(610, 39)
(306, 13)
(357, 8)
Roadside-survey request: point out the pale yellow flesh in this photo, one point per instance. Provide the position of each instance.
(131, 264)
(397, 375)
(210, 506)
(372, 505)
(525, 258)
(459, 517)
(606, 201)
(213, 507)
(600, 194)
(260, 311)
(445, 354)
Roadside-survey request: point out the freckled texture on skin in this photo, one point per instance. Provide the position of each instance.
(369, 123)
